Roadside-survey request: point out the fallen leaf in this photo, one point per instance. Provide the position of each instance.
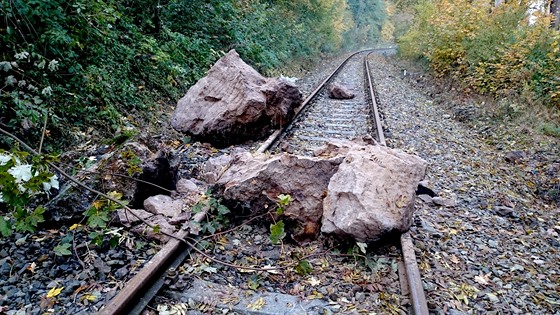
(257, 305)
(74, 226)
(314, 281)
(482, 279)
(454, 259)
(32, 267)
(54, 292)
(89, 297)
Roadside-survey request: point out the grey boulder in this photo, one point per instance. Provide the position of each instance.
(373, 191)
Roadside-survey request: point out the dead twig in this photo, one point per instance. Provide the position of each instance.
(43, 133)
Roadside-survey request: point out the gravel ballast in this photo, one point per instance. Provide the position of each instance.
(497, 250)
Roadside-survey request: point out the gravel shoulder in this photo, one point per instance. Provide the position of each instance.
(497, 250)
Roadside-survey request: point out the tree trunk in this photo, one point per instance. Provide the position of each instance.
(555, 12)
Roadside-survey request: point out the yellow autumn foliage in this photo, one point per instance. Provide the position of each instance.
(493, 50)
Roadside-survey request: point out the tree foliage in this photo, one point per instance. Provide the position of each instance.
(369, 17)
(494, 50)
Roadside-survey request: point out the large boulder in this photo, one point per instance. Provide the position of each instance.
(373, 191)
(356, 189)
(254, 181)
(234, 103)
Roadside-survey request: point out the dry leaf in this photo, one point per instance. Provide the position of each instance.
(89, 297)
(257, 305)
(480, 280)
(32, 267)
(54, 292)
(74, 226)
(314, 281)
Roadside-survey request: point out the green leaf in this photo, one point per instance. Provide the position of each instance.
(284, 200)
(156, 228)
(98, 219)
(5, 228)
(304, 268)
(35, 217)
(362, 246)
(62, 250)
(96, 238)
(277, 232)
(209, 226)
(223, 209)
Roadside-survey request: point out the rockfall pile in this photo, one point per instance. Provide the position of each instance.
(350, 188)
(234, 103)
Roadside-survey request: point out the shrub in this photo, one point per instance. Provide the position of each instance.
(493, 50)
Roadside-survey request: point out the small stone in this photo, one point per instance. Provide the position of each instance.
(505, 211)
(492, 297)
(101, 265)
(186, 186)
(445, 202)
(515, 157)
(426, 199)
(115, 262)
(360, 296)
(121, 273)
(72, 284)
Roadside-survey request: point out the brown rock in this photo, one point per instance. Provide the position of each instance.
(340, 91)
(162, 224)
(234, 103)
(133, 216)
(373, 191)
(185, 186)
(255, 181)
(190, 192)
(131, 219)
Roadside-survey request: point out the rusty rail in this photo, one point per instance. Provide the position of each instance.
(139, 290)
(419, 304)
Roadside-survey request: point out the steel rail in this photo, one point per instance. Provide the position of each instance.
(419, 304)
(278, 134)
(375, 109)
(140, 290)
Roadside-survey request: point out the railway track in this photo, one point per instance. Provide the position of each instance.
(198, 286)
